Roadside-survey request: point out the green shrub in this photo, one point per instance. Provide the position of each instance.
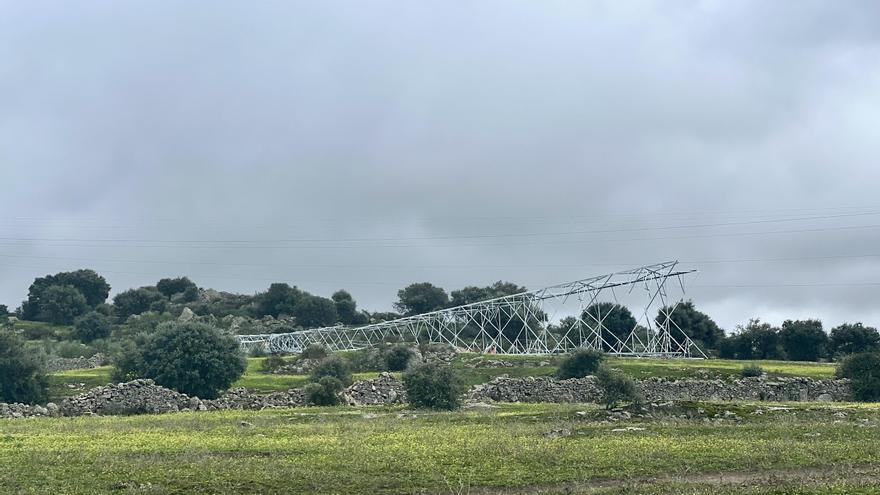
(272, 363)
(616, 387)
(22, 378)
(325, 392)
(192, 358)
(580, 364)
(91, 326)
(333, 366)
(398, 357)
(751, 370)
(432, 386)
(314, 351)
(863, 370)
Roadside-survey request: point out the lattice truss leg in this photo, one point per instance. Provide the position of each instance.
(545, 321)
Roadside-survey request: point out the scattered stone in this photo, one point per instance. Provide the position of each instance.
(562, 432)
(628, 428)
(382, 390)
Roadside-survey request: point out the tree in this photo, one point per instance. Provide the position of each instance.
(617, 322)
(471, 294)
(192, 358)
(852, 339)
(314, 311)
(4, 310)
(803, 340)
(61, 304)
(863, 370)
(346, 308)
(279, 299)
(684, 318)
(580, 364)
(92, 326)
(22, 378)
(421, 298)
(432, 386)
(137, 301)
(168, 287)
(756, 340)
(92, 286)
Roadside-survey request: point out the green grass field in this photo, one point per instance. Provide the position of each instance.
(388, 450)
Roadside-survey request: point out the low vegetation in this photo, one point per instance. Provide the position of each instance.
(192, 358)
(433, 386)
(580, 364)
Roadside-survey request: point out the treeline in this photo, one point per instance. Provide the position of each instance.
(79, 298)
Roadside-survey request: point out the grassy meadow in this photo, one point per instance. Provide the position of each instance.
(496, 450)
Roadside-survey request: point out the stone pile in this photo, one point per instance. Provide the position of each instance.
(55, 365)
(546, 389)
(242, 398)
(537, 389)
(27, 411)
(385, 389)
(134, 397)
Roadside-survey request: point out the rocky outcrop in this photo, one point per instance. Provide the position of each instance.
(382, 390)
(55, 365)
(546, 389)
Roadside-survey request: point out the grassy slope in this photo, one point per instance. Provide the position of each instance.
(342, 450)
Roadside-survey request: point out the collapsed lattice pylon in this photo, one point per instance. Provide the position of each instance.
(532, 322)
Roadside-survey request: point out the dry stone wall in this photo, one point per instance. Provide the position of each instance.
(55, 365)
(546, 389)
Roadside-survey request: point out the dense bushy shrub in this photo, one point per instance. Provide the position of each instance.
(22, 378)
(580, 364)
(314, 351)
(272, 363)
(324, 392)
(398, 357)
(171, 286)
(333, 366)
(863, 370)
(616, 387)
(91, 326)
(433, 386)
(751, 370)
(192, 358)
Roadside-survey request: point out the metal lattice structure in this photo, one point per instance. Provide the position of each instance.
(545, 321)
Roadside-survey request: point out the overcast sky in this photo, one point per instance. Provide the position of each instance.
(367, 145)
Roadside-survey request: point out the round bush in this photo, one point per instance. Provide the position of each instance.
(752, 370)
(863, 370)
(616, 387)
(192, 358)
(434, 387)
(92, 326)
(325, 392)
(333, 366)
(580, 364)
(397, 358)
(314, 351)
(22, 378)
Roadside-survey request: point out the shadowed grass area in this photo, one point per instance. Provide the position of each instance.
(378, 450)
